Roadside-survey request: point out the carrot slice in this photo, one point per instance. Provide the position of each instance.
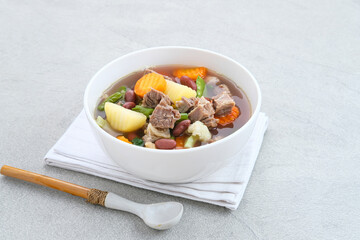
(180, 142)
(229, 118)
(124, 139)
(192, 73)
(148, 81)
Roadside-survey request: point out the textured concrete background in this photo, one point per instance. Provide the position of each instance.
(305, 55)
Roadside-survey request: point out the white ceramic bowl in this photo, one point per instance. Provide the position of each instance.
(172, 166)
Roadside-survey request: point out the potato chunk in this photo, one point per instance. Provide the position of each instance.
(175, 91)
(122, 119)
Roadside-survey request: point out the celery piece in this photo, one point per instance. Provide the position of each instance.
(101, 122)
(191, 141)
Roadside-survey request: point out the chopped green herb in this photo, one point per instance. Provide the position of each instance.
(138, 142)
(146, 111)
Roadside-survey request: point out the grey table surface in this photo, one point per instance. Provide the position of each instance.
(304, 54)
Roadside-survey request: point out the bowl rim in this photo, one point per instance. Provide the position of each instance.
(92, 121)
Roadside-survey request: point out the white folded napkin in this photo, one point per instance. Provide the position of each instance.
(78, 150)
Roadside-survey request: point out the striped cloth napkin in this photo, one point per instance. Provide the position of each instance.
(78, 150)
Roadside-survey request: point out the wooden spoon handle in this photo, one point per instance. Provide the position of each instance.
(57, 184)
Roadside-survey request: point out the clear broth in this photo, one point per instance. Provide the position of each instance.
(238, 95)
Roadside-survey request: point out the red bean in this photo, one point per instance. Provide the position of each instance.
(130, 96)
(129, 105)
(131, 135)
(181, 127)
(165, 143)
(185, 80)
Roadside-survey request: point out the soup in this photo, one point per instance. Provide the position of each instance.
(172, 107)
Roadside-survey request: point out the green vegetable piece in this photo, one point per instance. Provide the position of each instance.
(122, 89)
(200, 84)
(146, 111)
(112, 98)
(205, 93)
(190, 141)
(183, 116)
(101, 122)
(138, 142)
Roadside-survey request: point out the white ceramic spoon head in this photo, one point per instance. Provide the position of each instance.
(164, 215)
(159, 216)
